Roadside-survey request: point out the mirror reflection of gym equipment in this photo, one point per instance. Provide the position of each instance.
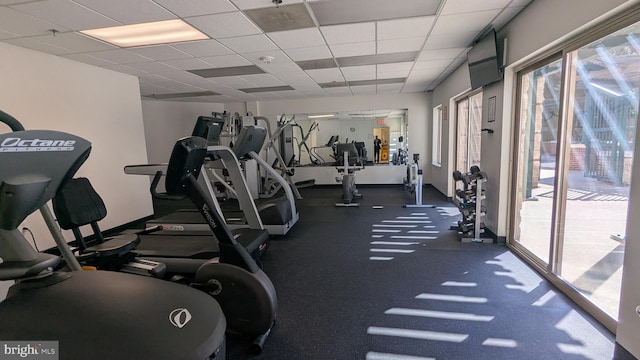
(319, 131)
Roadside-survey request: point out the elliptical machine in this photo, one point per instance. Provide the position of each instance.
(243, 290)
(134, 317)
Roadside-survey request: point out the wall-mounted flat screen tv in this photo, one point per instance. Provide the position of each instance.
(484, 65)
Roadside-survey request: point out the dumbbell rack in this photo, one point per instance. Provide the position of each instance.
(471, 215)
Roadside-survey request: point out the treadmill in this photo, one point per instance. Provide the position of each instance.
(178, 241)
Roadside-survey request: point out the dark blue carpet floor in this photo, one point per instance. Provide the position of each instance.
(352, 284)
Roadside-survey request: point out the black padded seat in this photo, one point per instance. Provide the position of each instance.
(78, 204)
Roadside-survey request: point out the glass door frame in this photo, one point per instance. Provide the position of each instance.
(553, 268)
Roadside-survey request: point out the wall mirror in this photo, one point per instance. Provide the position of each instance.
(314, 133)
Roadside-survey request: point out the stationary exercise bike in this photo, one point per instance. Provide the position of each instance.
(349, 157)
(244, 292)
(413, 183)
(90, 314)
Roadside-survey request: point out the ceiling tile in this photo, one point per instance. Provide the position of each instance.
(125, 69)
(450, 40)
(187, 64)
(363, 90)
(278, 57)
(353, 73)
(249, 44)
(74, 42)
(389, 88)
(400, 45)
(285, 69)
(395, 70)
(262, 80)
(119, 56)
(152, 66)
(519, 3)
(416, 86)
(291, 94)
(435, 64)
(7, 35)
(405, 28)
(377, 59)
(255, 4)
(310, 53)
(234, 82)
(465, 6)
(189, 78)
(354, 11)
(350, 33)
(505, 16)
(303, 83)
(339, 91)
(319, 92)
(36, 45)
(281, 18)
(13, 2)
(203, 48)
(326, 75)
(149, 89)
(442, 54)
(300, 38)
(21, 24)
(127, 11)
(462, 23)
(160, 52)
(198, 7)
(355, 49)
(87, 59)
(67, 14)
(226, 60)
(224, 25)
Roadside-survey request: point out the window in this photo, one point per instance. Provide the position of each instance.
(436, 151)
(468, 132)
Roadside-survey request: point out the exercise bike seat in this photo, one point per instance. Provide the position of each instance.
(78, 204)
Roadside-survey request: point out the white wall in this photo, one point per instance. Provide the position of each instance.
(418, 106)
(48, 92)
(167, 121)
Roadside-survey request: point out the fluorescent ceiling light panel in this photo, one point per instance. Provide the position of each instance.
(317, 64)
(228, 71)
(355, 11)
(181, 95)
(321, 116)
(267, 89)
(152, 33)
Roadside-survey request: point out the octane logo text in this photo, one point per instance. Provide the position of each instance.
(15, 144)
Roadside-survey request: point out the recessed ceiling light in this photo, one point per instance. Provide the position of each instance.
(152, 33)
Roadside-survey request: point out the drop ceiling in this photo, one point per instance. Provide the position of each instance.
(260, 51)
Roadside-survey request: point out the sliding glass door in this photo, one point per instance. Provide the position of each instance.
(574, 156)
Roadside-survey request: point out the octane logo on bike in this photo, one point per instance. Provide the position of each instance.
(15, 144)
(179, 317)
